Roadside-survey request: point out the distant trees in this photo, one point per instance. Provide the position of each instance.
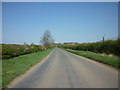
(47, 39)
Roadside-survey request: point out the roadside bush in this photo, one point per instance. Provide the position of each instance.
(21, 50)
(7, 51)
(13, 50)
(108, 47)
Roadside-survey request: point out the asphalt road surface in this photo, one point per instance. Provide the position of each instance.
(62, 69)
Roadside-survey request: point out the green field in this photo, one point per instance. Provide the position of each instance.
(103, 58)
(13, 67)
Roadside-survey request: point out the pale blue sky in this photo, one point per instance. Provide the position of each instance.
(0, 22)
(68, 22)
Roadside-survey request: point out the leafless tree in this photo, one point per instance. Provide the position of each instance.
(47, 39)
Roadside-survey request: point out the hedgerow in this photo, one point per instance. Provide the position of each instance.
(108, 47)
(13, 50)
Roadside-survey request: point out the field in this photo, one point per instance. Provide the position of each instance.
(103, 58)
(18, 65)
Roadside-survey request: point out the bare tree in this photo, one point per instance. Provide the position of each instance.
(47, 39)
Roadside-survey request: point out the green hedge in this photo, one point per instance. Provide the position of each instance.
(13, 50)
(108, 47)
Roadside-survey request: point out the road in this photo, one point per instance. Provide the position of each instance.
(65, 70)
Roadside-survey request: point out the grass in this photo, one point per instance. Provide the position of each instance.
(0, 75)
(12, 68)
(106, 59)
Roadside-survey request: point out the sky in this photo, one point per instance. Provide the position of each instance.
(67, 21)
(0, 22)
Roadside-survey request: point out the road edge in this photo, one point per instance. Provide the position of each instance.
(94, 61)
(18, 78)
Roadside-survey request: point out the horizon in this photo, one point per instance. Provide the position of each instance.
(68, 21)
(56, 42)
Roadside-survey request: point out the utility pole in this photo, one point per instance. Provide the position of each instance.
(103, 38)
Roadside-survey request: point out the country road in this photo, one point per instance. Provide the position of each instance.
(62, 69)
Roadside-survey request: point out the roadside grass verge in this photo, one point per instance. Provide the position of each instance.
(110, 60)
(0, 75)
(13, 67)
